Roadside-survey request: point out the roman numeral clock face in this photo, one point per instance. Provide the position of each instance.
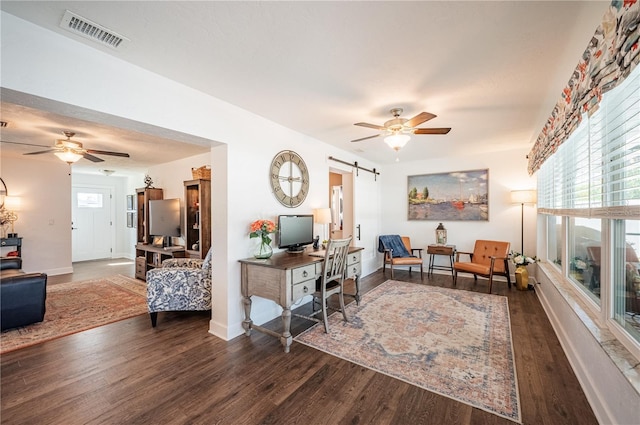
(289, 178)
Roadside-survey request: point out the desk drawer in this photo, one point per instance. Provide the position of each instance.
(303, 273)
(353, 270)
(353, 258)
(304, 288)
(440, 249)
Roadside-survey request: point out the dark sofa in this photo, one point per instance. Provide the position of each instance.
(22, 295)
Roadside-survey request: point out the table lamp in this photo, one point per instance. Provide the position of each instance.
(322, 216)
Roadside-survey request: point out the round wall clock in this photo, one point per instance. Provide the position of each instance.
(289, 178)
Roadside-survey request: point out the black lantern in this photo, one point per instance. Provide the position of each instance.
(441, 235)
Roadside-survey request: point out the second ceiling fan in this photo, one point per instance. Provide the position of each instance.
(398, 129)
(71, 151)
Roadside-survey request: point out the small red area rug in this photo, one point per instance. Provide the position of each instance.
(77, 306)
(452, 342)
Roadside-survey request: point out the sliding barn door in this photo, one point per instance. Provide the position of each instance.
(366, 213)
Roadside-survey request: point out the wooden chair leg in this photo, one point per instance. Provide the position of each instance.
(455, 277)
(324, 315)
(421, 273)
(154, 318)
(391, 267)
(506, 267)
(342, 307)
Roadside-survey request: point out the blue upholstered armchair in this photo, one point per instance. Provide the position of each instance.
(181, 284)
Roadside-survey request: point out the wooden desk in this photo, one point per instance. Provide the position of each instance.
(285, 278)
(448, 250)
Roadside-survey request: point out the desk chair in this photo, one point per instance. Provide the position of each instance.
(489, 258)
(331, 280)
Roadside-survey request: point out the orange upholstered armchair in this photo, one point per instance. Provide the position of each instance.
(488, 258)
(398, 252)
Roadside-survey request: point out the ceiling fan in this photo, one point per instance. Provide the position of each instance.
(398, 129)
(71, 151)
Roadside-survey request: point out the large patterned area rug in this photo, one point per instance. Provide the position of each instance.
(77, 306)
(452, 342)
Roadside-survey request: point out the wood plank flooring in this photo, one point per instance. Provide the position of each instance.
(129, 373)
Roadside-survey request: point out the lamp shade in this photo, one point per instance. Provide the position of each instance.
(397, 141)
(12, 203)
(68, 156)
(322, 215)
(523, 196)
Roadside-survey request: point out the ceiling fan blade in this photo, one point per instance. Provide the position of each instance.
(419, 119)
(431, 130)
(365, 138)
(92, 158)
(364, 124)
(39, 152)
(122, 154)
(25, 144)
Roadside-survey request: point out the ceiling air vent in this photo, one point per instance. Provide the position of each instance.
(87, 29)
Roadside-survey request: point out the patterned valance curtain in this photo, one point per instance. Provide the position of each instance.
(610, 57)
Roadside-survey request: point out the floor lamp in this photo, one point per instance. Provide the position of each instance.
(523, 197)
(322, 216)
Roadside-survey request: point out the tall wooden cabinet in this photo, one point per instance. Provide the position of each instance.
(143, 196)
(197, 227)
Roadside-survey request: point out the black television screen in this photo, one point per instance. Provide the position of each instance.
(164, 217)
(295, 231)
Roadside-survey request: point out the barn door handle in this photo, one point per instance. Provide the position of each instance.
(358, 227)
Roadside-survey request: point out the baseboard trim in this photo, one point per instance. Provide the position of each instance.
(608, 391)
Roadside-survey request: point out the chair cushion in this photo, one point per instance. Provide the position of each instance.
(472, 268)
(406, 261)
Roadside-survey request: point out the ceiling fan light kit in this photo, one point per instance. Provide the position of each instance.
(68, 156)
(71, 151)
(398, 129)
(397, 141)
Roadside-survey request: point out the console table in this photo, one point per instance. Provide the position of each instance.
(448, 250)
(285, 278)
(17, 242)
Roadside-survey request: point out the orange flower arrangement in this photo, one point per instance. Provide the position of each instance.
(262, 229)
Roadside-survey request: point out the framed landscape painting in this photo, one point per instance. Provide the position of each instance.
(458, 195)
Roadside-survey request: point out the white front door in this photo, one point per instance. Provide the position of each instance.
(91, 223)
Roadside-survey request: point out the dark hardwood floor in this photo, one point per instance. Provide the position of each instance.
(130, 373)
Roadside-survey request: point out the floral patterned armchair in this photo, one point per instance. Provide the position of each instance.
(181, 284)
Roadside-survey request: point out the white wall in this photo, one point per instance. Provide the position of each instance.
(507, 171)
(43, 185)
(30, 65)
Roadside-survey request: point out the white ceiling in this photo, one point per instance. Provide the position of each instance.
(490, 70)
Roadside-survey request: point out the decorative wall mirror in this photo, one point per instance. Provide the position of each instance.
(3, 192)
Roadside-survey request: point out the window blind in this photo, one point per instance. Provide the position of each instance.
(596, 172)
